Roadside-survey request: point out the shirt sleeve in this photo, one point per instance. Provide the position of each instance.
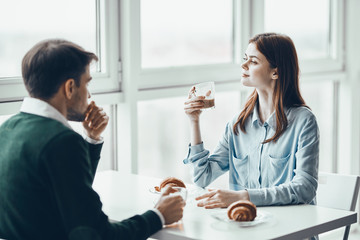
(302, 188)
(92, 141)
(206, 167)
(68, 166)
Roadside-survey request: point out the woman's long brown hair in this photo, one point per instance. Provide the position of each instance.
(280, 52)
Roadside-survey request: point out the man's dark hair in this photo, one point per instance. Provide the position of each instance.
(50, 63)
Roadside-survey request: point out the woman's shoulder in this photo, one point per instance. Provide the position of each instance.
(234, 119)
(301, 113)
(231, 122)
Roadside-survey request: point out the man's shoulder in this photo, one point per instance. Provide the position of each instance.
(28, 118)
(34, 127)
(42, 122)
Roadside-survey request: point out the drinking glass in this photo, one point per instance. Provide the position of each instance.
(180, 191)
(206, 89)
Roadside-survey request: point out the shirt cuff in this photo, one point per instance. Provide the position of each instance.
(197, 148)
(193, 150)
(257, 196)
(160, 216)
(93, 141)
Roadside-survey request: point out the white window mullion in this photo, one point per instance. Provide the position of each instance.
(98, 35)
(241, 26)
(108, 44)
(257, 20)
(130, 68)
(335, 119)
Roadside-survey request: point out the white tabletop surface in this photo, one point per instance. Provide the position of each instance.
(124, 195)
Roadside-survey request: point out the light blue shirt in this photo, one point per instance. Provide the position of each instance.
(280, 173)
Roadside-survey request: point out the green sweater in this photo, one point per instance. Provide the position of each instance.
(46, 176)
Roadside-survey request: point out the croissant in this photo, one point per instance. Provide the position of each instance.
(171, 181)
(242, 210)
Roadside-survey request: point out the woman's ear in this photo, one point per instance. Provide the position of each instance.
(275, 74)
(69, 88)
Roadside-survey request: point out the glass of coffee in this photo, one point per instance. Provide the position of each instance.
(207, 90)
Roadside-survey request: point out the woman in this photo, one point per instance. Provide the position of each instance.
(271, 149)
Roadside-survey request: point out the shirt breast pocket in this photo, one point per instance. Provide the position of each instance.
(241, 170)
(278, 169)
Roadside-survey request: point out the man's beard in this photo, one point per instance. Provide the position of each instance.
(73, 115)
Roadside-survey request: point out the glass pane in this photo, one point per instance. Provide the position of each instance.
(319, 97)
(305, 21)
(186, 32)
(25, 23)
(164, 133)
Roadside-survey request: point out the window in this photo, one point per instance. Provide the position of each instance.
(25, 23)
(185, 32)
(319, 97)
(28, 22)
(305, 21)
(314, 26)
(181, 42)
(164, 132)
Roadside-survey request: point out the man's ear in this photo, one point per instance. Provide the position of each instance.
(69, 88)
(275, 74)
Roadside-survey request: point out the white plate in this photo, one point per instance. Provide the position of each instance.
(261, 217)
(152, 190)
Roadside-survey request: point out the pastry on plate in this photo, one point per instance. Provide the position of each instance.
(170, 181)
(241, 211)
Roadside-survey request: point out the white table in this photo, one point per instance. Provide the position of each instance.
(126, 195)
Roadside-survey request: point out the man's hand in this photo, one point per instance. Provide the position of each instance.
(170, 206)
(95, 121)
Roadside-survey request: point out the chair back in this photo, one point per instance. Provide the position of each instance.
(338, 191)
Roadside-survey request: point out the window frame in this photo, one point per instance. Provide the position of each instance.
(121, 43)
(248, 19)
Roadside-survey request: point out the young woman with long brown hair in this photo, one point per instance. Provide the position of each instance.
(271, 149)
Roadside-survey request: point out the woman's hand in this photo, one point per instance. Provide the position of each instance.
(217, 198)
(194, 105)
(95, 121)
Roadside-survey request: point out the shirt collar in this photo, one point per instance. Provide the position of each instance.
(271, 121)
(41, 108)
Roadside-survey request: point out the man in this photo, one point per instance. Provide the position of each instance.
(47, 169)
